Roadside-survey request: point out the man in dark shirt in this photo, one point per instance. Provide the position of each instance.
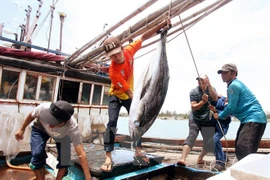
(200, 99)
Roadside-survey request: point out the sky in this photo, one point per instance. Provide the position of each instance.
(236, 33)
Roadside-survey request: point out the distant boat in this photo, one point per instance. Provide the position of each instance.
(30, 75)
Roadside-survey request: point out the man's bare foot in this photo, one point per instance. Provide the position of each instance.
(107, 166)
(181, 163)
(200, 161)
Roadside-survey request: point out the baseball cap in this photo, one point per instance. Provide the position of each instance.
(227, 67)
(112, 46)
(59, 112)
(202, 76)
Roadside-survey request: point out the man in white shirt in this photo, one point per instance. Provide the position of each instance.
(54, 120)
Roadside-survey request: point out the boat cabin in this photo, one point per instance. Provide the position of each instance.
(26, 82)
(22, 87)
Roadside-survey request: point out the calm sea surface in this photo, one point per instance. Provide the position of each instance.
(177, 129)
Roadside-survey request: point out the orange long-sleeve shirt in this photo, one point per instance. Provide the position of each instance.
(121, 75)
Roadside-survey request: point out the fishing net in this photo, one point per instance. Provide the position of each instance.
(84, 123)
(10, 124)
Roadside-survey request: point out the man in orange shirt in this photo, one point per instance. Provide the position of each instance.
(121, 91)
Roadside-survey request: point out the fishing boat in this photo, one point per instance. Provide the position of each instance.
(29, 77)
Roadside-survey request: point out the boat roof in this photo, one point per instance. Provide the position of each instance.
(47, 62)
(6, 51)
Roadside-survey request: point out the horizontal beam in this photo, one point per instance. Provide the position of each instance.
(32, 46)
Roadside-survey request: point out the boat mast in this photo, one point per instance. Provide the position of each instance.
(29, 32)
(62, 18)
(26, 28)
(49, 41)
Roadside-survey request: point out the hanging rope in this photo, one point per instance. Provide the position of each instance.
(189, 47)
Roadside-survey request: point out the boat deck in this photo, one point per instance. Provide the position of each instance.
(21, 160)
(162, 164)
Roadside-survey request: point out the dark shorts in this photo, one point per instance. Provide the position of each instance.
(38, 143)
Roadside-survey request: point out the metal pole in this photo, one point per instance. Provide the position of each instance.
(62, 18)
(1, 29)
(27, 24)
(49, 40)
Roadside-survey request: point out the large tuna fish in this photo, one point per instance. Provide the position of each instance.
(150, 92)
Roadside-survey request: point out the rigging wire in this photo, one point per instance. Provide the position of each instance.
(191, 53)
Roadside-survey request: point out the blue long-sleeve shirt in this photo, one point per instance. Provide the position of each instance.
(220, 105)
(243, 104)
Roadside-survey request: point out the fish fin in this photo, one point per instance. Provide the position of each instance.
(141, 160)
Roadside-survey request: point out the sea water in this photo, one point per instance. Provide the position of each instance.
(177, 129)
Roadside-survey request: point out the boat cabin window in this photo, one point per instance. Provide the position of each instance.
(86, 91)
(68, 91)
(32, 90)
(106, 95)
(97, 95)
(30, 87)
(9, 84)
(46, 88)
(40, 87)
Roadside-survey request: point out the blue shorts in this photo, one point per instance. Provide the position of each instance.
(38, 143)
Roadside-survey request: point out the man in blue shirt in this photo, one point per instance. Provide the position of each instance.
(221, 130)
(246, 108)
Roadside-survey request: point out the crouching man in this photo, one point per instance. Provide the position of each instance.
(54, 120)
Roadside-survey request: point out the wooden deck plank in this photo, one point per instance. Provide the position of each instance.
(7, 173)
